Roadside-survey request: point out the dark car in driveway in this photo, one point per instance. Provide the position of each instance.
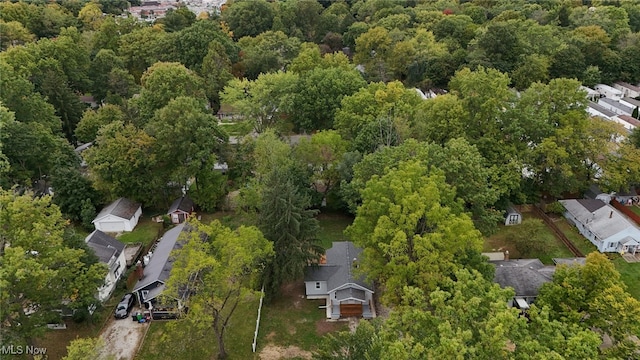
(124, 306)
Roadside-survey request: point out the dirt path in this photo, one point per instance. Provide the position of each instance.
(123, 337)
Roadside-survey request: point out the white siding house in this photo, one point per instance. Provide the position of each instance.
(627, 90)
(603, 225)
(121, 215)
(608, 91)
(346, 294)
(111, 253)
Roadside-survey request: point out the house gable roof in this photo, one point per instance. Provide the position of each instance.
(601, 109)
(631, 101)
(161, 263)
(600, 218)
(525, 276)
(183, 203)
(104, 246)
(122, 208)
(616, 105)
(338, 270)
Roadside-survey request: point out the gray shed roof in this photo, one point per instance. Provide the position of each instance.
(122, 208)
(183, 203)
(338, 270)
(161, 263)
(592, 192)
(600, 218)
(104, 245)
(525, 276)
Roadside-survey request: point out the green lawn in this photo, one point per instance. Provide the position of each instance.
(500, 242)
(238, 339)
(332, 227)
(630, 275)
(237, 128)
(581, 242)
(145, 232)
(292, 320)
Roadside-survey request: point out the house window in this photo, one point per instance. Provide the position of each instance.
(145, 293)
(318, 285)
(116, 271)
(513, 219)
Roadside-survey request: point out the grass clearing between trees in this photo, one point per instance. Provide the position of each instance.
(332, 228)
(145, 232)
(503, 240)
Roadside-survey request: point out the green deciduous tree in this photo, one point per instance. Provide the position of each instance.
(219, 269)
(248, 18)
(187, 140)
(13, 34)
(87, 349)
(319, 93)
(412, 230)
(593, 296)
(71, 188)
(265, 101)
(163, 82)
(93, 120)
(267, 52)
(38, 272)
(122, 163)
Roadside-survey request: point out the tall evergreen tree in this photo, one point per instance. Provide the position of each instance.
(286, 220)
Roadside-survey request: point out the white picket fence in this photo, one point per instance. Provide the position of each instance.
(255, 334)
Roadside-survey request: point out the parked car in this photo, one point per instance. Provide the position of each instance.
(125, 306)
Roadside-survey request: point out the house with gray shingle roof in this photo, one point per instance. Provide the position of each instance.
(154, 275)
(525, 276)
(603, 225)
(121, 215)
(598, 110)
(110, 252)
(346, 292)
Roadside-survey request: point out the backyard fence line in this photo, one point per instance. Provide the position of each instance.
(255, 334)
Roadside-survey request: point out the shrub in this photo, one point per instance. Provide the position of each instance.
(555, 208)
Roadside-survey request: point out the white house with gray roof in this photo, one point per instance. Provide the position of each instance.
(346, 293)
(615, 106)
(155, 274)
(595, 109)
(110, 252)
(603, 225)
(121, 215)
(627, 89)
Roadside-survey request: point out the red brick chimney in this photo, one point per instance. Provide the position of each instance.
(139, 270)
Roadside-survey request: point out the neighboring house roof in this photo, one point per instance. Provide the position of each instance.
(525, 276)
(630, 120)
(617, 105)
(104, 246)
(601, 109)
(83, 147)
(570, 261)
(628, 86)
(631, 192)
(338, 270)
(161, 263)
(122, 208)
(631, 101)
(602, 219)
(183, 203)
(512, 210)
(593, 192)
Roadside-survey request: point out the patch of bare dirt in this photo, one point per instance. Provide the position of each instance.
(123, 337)
(274, 352)
(323, 326)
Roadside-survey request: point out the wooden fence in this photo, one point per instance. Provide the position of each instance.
(557, 232)
(625, 210)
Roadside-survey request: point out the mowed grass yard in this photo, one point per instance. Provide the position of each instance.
(238, 339)
(501, 241)
(145, 232)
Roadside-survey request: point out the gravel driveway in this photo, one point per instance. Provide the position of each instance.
(123, 337)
